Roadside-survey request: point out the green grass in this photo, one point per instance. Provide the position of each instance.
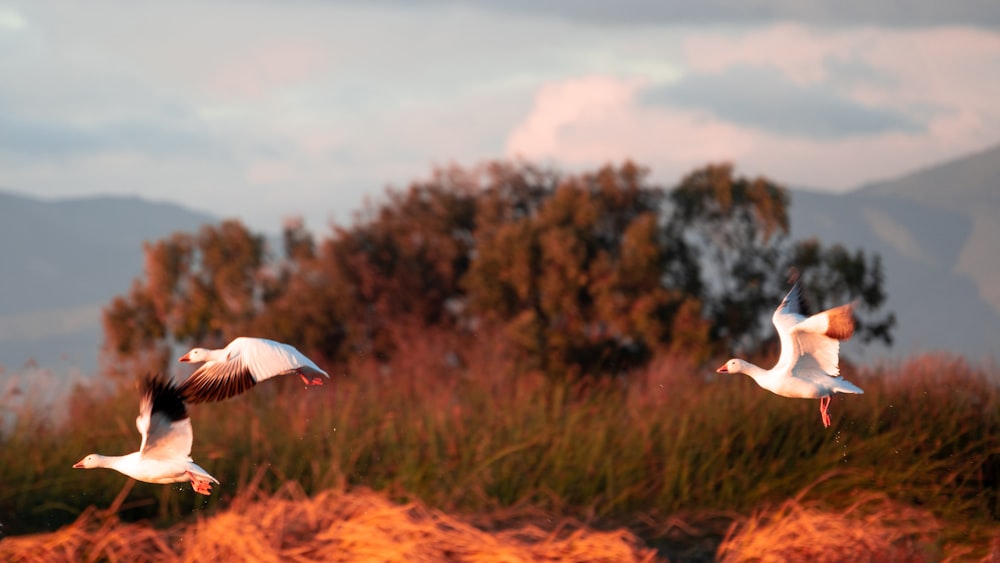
(672, 439)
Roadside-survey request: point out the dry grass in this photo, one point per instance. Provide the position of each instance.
(476, 437)
(332, 526)
(873, 528)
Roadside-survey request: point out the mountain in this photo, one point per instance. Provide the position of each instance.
(937, 230)
(63, 261)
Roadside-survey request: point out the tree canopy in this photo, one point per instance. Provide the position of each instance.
(579, 274)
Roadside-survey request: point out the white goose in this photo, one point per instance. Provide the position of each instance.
(808, 365)
(165, 453)
(243, 363)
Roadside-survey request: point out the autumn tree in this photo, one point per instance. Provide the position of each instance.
(583, 278)
(734, 226)
(835, 275)
(738, 229)
(195, 288)
(578, 274)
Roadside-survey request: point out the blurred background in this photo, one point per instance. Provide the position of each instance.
(316, 138)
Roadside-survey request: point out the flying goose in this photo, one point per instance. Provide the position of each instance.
(808, 365)
(165, 453)
(243, 363)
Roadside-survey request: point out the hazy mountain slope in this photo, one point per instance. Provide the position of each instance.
(63, 261)
(971, 186)
(960, 184)
(937, 231)
(936, 307)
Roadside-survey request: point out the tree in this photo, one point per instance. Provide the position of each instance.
(834, 275)
(738, 230)
(734, 227)
(195, 289)
(581, 279)
(580, 273)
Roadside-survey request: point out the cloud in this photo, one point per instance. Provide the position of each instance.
(565, 110)
(808, 106)
(11, 19)
(764, 98)
(912, 13)
(52, 138)
(673, 141)
(262, 110)
(944, 79)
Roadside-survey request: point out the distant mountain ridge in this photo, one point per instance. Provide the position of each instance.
(937, 230)
(958, 184)
(63, 260)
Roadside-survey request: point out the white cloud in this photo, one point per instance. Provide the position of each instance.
(11, 19)
(943, 81)
(262, 110)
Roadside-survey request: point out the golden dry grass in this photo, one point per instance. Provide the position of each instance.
(872, 528)
(656, 456)
(332, 526)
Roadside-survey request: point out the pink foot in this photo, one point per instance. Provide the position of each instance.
(200, 486)
(313, 381)
(824, 410)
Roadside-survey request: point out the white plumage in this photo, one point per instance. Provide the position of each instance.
(243, 363)
(164, 455)
(808, 367)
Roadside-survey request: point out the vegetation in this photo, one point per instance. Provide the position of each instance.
(525, 352)
(671, 453)
(331, 526)
(589, 274)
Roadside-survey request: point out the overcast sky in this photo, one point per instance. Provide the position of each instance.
(263, 109)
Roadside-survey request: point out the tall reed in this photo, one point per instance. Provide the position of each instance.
(461, 427)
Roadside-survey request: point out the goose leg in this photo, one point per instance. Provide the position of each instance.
(314, 381)
(824, 410)
(200, 486)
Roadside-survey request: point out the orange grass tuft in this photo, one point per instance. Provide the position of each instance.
(332, 526)
(873, 528)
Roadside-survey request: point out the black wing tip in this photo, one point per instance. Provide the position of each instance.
(795, 301)
(201, 387)
(793, 275)
(165, 396)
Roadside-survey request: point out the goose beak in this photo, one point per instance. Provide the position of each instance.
(722, 370)
(185, 358)
(78, 465)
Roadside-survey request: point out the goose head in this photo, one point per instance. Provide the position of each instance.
(90, 462)
(733, 366)
(195, 355)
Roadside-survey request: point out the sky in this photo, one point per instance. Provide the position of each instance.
(265, 110)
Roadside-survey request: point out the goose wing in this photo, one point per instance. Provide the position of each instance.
(163, 420)
(789, 313)
(248, 361)
(218, 380)
(819, 337)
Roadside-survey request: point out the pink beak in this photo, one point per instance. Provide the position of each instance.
(185, 358)
(78, 465)
(722, 370)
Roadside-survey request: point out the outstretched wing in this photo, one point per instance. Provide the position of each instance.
(248, 362)
(215, 381)
(792, 306)
(163, 420)
(789, 313)
(818, 336)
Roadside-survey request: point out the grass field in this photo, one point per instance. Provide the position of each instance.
(673, 461)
